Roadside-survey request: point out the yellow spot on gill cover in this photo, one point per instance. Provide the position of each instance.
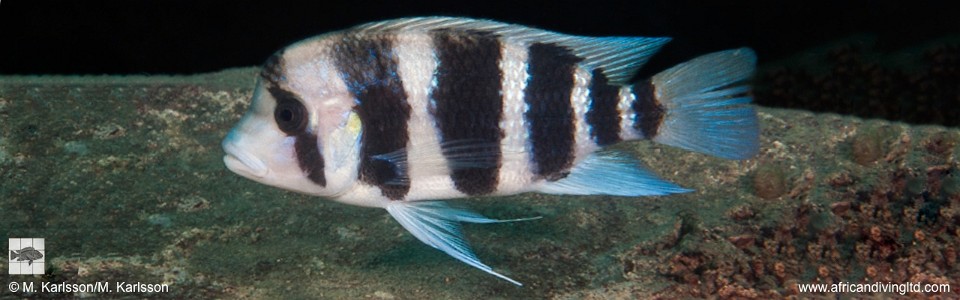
(353, 123)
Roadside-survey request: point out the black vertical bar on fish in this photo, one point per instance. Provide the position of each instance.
(309, 157)
(272, 69)
(305, 144)
(550, 113)
(308, 153)
(648, 111)
(603, 117)
(468, 104)
(368, 66)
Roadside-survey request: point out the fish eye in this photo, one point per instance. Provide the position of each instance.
(290, 116)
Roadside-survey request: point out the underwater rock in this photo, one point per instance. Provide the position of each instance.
(868, 146)
(769, 181)
(147, 198)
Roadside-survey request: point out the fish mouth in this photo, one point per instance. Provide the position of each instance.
(242, 162)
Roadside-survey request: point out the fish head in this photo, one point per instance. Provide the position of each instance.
(300, 132)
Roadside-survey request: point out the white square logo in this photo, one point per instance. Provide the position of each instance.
(27, 256)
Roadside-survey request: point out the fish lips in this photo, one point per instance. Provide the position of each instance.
(243, 162)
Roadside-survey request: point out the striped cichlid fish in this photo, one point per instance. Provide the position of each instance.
(392, 114)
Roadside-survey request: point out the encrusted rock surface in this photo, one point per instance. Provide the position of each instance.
(123, 177)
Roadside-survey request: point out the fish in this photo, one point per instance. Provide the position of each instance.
(406, 114)
(28, 253)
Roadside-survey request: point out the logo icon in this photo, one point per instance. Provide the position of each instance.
(27, 256)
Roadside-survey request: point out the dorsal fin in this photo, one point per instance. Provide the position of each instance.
(618, 57)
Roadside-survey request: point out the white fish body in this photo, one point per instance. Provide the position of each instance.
(388, 114)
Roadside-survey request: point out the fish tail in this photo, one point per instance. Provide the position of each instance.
(13, 255)
(701, 105)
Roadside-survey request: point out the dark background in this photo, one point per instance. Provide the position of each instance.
(186, 37)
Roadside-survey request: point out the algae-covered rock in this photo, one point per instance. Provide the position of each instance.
(123, 177)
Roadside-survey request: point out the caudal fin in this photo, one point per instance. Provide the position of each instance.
(702, 105)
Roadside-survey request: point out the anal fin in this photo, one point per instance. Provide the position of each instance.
(611, 173)
(438, 225)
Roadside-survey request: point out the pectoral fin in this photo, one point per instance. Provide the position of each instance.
(453, 155)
